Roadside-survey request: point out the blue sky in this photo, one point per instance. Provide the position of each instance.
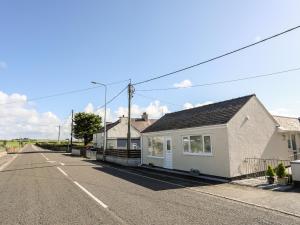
(59, 45)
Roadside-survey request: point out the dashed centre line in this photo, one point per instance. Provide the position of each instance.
(63, 172)
(44, 156)
(62, 164)
(91, 195)
(85, 190)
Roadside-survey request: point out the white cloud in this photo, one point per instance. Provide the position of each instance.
(154, 110)
(189, 105)
(183, 84)
(257, 38)
(3, 65)
(89, 108)
(20, 119)
(285, 112)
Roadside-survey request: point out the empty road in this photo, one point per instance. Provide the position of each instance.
(43, 187)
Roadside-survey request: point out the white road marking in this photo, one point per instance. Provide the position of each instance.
(91, 195)
(44, 156)
(7, 163)
(62, 164)
(63, 172)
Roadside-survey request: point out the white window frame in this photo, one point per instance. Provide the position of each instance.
(189, 144)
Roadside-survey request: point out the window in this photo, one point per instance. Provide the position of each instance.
(155, 146)
(168, 145)
(197, 144)
(207, 144)
(293, 137)
(186, 143)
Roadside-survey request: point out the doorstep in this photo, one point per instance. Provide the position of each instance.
(184, 174)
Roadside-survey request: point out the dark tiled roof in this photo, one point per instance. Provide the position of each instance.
(109, 126)
(212, 114)
(137, 123)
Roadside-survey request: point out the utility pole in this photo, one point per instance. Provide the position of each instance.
(130, 95)
(58, 139)
(71, 138)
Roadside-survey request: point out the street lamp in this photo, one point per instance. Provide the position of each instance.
(105, 135)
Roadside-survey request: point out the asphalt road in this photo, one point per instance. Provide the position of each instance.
(43, 187)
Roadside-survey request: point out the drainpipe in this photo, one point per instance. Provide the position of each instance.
(141, 146)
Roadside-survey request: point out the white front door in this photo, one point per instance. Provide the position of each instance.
(168, 162)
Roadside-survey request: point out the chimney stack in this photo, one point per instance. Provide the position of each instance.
(145, 116)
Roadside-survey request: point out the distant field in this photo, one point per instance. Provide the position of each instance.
(10, 144)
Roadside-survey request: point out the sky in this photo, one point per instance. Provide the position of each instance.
(54, 46)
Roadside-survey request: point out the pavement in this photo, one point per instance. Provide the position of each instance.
(45, 187)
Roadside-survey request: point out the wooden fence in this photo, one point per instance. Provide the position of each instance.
(122, 153)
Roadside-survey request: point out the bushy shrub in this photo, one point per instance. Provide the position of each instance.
(270, 171)
(280, 171)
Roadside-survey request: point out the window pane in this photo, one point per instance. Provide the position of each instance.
(149, 142)
(168, 145)
(196, 144)
(185, 144)
(294, 142)
(150, 146)
(157, 146)
(207, 144)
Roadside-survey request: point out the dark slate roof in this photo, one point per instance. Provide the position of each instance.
(212, 114)
(137, 123)
(109, 126)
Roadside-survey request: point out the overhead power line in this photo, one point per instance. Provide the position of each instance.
(224, 81)
(63, 93)
(152, 98)
(218, 57)
(113, 98)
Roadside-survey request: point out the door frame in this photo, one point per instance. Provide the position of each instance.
(168, 164)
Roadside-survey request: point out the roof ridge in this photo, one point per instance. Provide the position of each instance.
(212, 114)
(291, 117)
(250, 95)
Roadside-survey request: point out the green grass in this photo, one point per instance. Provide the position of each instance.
(11, 144)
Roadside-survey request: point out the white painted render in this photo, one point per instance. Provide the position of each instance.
(215, 164)
(118, 131)
(252, 132)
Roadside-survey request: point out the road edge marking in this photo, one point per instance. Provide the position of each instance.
(91, 195)
(8, 163)
(63, 172)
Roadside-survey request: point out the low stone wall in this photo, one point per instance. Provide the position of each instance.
(76, 152)
(134, 162)
(91, 154)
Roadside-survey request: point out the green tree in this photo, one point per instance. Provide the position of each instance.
(85, 125)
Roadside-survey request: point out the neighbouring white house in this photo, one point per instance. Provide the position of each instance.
(116, 150)
(216, 139)
(117, 133)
